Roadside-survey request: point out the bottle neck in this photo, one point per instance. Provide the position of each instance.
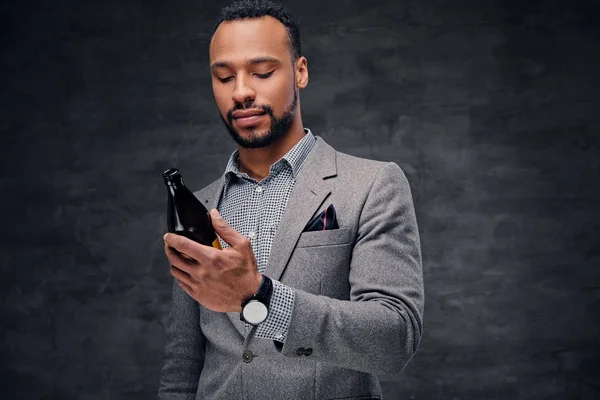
(174, 182)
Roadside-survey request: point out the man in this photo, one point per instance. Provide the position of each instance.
(318, 287)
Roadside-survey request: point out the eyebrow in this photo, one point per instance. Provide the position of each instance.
(254, 61)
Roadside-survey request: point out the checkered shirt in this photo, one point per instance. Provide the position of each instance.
(254, 209)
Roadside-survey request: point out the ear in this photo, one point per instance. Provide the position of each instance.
(301, 72)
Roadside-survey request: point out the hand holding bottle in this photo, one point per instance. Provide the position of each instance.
(218, 279)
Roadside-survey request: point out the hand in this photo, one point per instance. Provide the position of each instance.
(218, 279)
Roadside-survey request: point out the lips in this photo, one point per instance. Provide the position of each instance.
(247, 113)
(245, 118)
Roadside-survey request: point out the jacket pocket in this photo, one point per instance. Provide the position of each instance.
(330, 237)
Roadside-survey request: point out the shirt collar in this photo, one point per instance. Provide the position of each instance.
(294, 158)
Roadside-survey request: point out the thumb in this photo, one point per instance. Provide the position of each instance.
(226, 231)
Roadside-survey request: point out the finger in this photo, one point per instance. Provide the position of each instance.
(180, 260)
(182, 277)
(186, 288)
(226, 231)
(188, 247)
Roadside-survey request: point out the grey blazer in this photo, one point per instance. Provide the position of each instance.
(359, 302)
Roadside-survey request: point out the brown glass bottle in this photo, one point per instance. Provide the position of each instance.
(186, 215)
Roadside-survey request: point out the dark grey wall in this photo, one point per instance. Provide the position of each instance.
(490, 107)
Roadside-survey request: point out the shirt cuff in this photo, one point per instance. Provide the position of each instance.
(280, 313)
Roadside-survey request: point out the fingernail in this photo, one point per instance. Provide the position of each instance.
(165, 237)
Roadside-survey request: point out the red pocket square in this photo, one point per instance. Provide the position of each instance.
(324, 221)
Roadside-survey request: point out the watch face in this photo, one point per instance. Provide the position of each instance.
(255, 312)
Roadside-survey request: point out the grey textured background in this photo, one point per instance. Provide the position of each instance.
(491, 108)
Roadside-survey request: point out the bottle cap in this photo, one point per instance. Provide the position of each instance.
(172, 175)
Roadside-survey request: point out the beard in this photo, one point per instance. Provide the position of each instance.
(279, 125)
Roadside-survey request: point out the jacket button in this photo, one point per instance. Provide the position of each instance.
(300, 351)
(307, 352)
(247, 356)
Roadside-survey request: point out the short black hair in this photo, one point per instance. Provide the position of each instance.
(250, 9)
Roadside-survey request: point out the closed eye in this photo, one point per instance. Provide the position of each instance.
(224, 80)
(265, 76)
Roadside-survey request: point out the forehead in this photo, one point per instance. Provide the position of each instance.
(239, 40)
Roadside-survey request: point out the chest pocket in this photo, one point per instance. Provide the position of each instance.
(329, 237)
(320, 263)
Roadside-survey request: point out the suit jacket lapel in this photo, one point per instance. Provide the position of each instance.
(309, 193)
(210, 195)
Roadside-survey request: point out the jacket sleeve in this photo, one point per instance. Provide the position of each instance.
(184, 350)
(379, 329)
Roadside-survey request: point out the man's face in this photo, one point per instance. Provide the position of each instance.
(254, 80)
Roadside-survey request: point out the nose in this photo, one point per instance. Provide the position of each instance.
(243, 92)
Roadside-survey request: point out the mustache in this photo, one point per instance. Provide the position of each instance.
(249, 106)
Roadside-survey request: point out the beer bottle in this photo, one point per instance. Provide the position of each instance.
(186, 215)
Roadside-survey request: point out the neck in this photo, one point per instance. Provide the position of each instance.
(256, 162)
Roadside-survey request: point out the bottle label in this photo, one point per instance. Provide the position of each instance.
(216, 244)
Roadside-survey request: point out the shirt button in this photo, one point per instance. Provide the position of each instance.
(300, 351)
(247, 356)
(251, 235)
(259, 189)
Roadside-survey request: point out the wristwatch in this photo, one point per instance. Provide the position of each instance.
(256, 309)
